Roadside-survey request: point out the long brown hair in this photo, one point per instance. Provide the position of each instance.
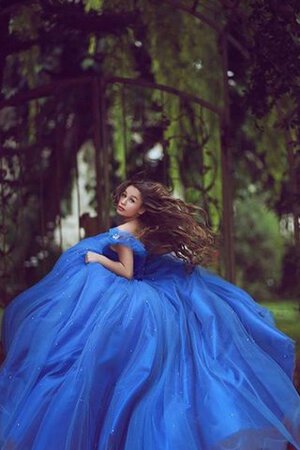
(171, 225)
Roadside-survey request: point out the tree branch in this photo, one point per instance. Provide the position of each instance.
(51, 88)
(169, 89)
(107, 22)
(43, 91)
(14, 45)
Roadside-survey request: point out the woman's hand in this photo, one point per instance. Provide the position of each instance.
(123, 267)
(92, 257)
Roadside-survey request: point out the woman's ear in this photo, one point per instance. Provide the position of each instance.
(141, 211)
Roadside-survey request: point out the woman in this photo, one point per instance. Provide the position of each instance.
(129, 344)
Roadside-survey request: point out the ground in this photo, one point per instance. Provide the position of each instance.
(287, 317)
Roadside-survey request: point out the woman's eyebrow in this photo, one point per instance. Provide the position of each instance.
(132, 196)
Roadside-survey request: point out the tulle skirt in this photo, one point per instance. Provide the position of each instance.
(170, 360)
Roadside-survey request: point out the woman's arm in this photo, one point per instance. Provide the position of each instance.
(123, 267)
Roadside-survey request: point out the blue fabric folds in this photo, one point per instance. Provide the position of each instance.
(170, 360)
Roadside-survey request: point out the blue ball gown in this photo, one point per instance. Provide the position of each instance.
(170, 360)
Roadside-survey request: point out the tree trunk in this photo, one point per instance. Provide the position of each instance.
(226, 161)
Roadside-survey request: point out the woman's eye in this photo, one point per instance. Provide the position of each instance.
(132, 201)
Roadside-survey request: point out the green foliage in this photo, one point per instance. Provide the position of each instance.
(272, 145)
(261, 156)
(259, 247)
(189, 61)
(90, 5)
(24, 25)
(275, 43)
(117, 56)
(27, 20)
(212, 177)
(173, 150)
(287, 317)
(122, 121)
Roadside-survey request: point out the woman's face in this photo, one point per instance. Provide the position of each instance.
(130, 204)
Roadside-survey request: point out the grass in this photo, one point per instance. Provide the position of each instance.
(287, 318)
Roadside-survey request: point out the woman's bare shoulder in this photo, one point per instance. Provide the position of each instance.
(128, 226)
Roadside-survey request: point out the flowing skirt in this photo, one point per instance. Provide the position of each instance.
(172, 361)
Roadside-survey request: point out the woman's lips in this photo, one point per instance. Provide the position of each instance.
(120, 208)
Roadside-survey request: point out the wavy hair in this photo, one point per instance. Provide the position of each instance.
(171, 225)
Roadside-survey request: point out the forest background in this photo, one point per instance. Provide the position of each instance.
(186, 91)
